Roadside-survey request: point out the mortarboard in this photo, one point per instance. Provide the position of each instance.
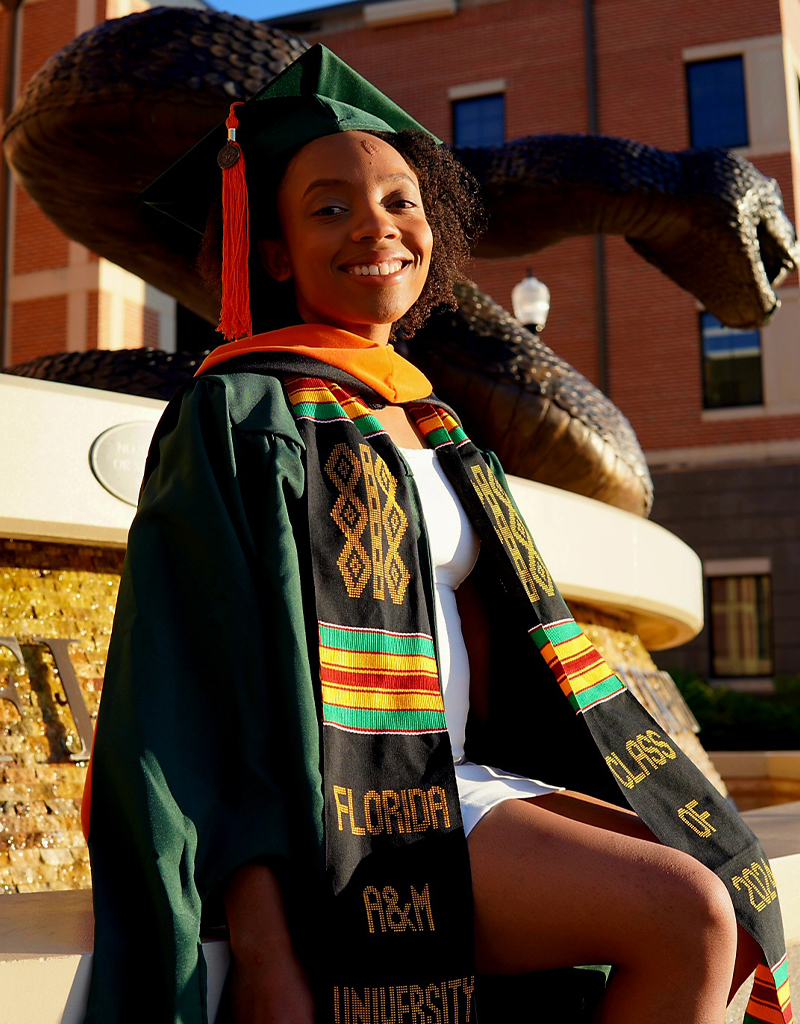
(317, 95)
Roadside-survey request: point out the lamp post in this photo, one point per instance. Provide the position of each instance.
(531, 301)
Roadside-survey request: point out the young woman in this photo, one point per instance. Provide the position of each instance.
(311, 513)
(535, 861)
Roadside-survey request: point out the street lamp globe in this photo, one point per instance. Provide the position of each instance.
(531, 301)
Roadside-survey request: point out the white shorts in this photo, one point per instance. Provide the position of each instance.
(481, 788)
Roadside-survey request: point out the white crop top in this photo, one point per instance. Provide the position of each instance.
(454, 547)
(454, 550)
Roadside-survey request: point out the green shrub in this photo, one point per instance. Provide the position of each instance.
(730, 720)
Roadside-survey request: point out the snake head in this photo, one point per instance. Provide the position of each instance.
(707, 218)
(730, 243)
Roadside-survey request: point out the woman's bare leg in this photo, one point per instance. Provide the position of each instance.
(591, 811)
(552, 891)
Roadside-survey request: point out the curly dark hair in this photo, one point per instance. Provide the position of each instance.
(453, 209)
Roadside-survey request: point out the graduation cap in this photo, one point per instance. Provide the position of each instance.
(317, 95)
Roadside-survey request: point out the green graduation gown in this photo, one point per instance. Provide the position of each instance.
(208, 747)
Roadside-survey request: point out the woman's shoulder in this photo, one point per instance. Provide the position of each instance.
(219, 428)
(249, 402)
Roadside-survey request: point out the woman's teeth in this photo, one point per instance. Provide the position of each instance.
(377, 269)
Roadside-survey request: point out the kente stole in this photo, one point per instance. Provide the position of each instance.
(396, 855)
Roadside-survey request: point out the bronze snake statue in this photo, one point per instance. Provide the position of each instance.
(119, 104)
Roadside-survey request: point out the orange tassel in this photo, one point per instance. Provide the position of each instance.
(234, 318)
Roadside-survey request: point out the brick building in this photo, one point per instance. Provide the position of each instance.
(58, 295)
(718, 413)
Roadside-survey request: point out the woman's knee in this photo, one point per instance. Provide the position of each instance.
(695, 919)
(714, 907)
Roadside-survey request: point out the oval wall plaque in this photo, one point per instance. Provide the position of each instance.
(117, 458)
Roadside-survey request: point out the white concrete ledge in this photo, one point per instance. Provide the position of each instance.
(598, 554)
(46, 942)
(49, 490)
(616, 561)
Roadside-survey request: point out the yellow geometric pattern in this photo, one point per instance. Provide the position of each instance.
(375, 522)
(395, 524)
(514, 534)
(351, 516)
(385, 518)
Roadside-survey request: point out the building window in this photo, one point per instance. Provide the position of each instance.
(717, 104)
(741, 625)
(479, 120)
(731, 365)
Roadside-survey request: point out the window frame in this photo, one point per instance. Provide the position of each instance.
(744, 112)
(708, 405)
(742, 569)
(771, 113)
(472, 92)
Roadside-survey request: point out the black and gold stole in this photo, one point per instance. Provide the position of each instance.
(396, 855)
(397, 861)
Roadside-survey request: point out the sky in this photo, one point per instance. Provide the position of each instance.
(264, 9)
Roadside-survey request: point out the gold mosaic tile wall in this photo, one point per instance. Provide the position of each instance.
(651, 686)
(68, 592)
(52, 591)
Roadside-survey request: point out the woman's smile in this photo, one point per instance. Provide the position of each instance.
(356, 243)
(378, 268)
